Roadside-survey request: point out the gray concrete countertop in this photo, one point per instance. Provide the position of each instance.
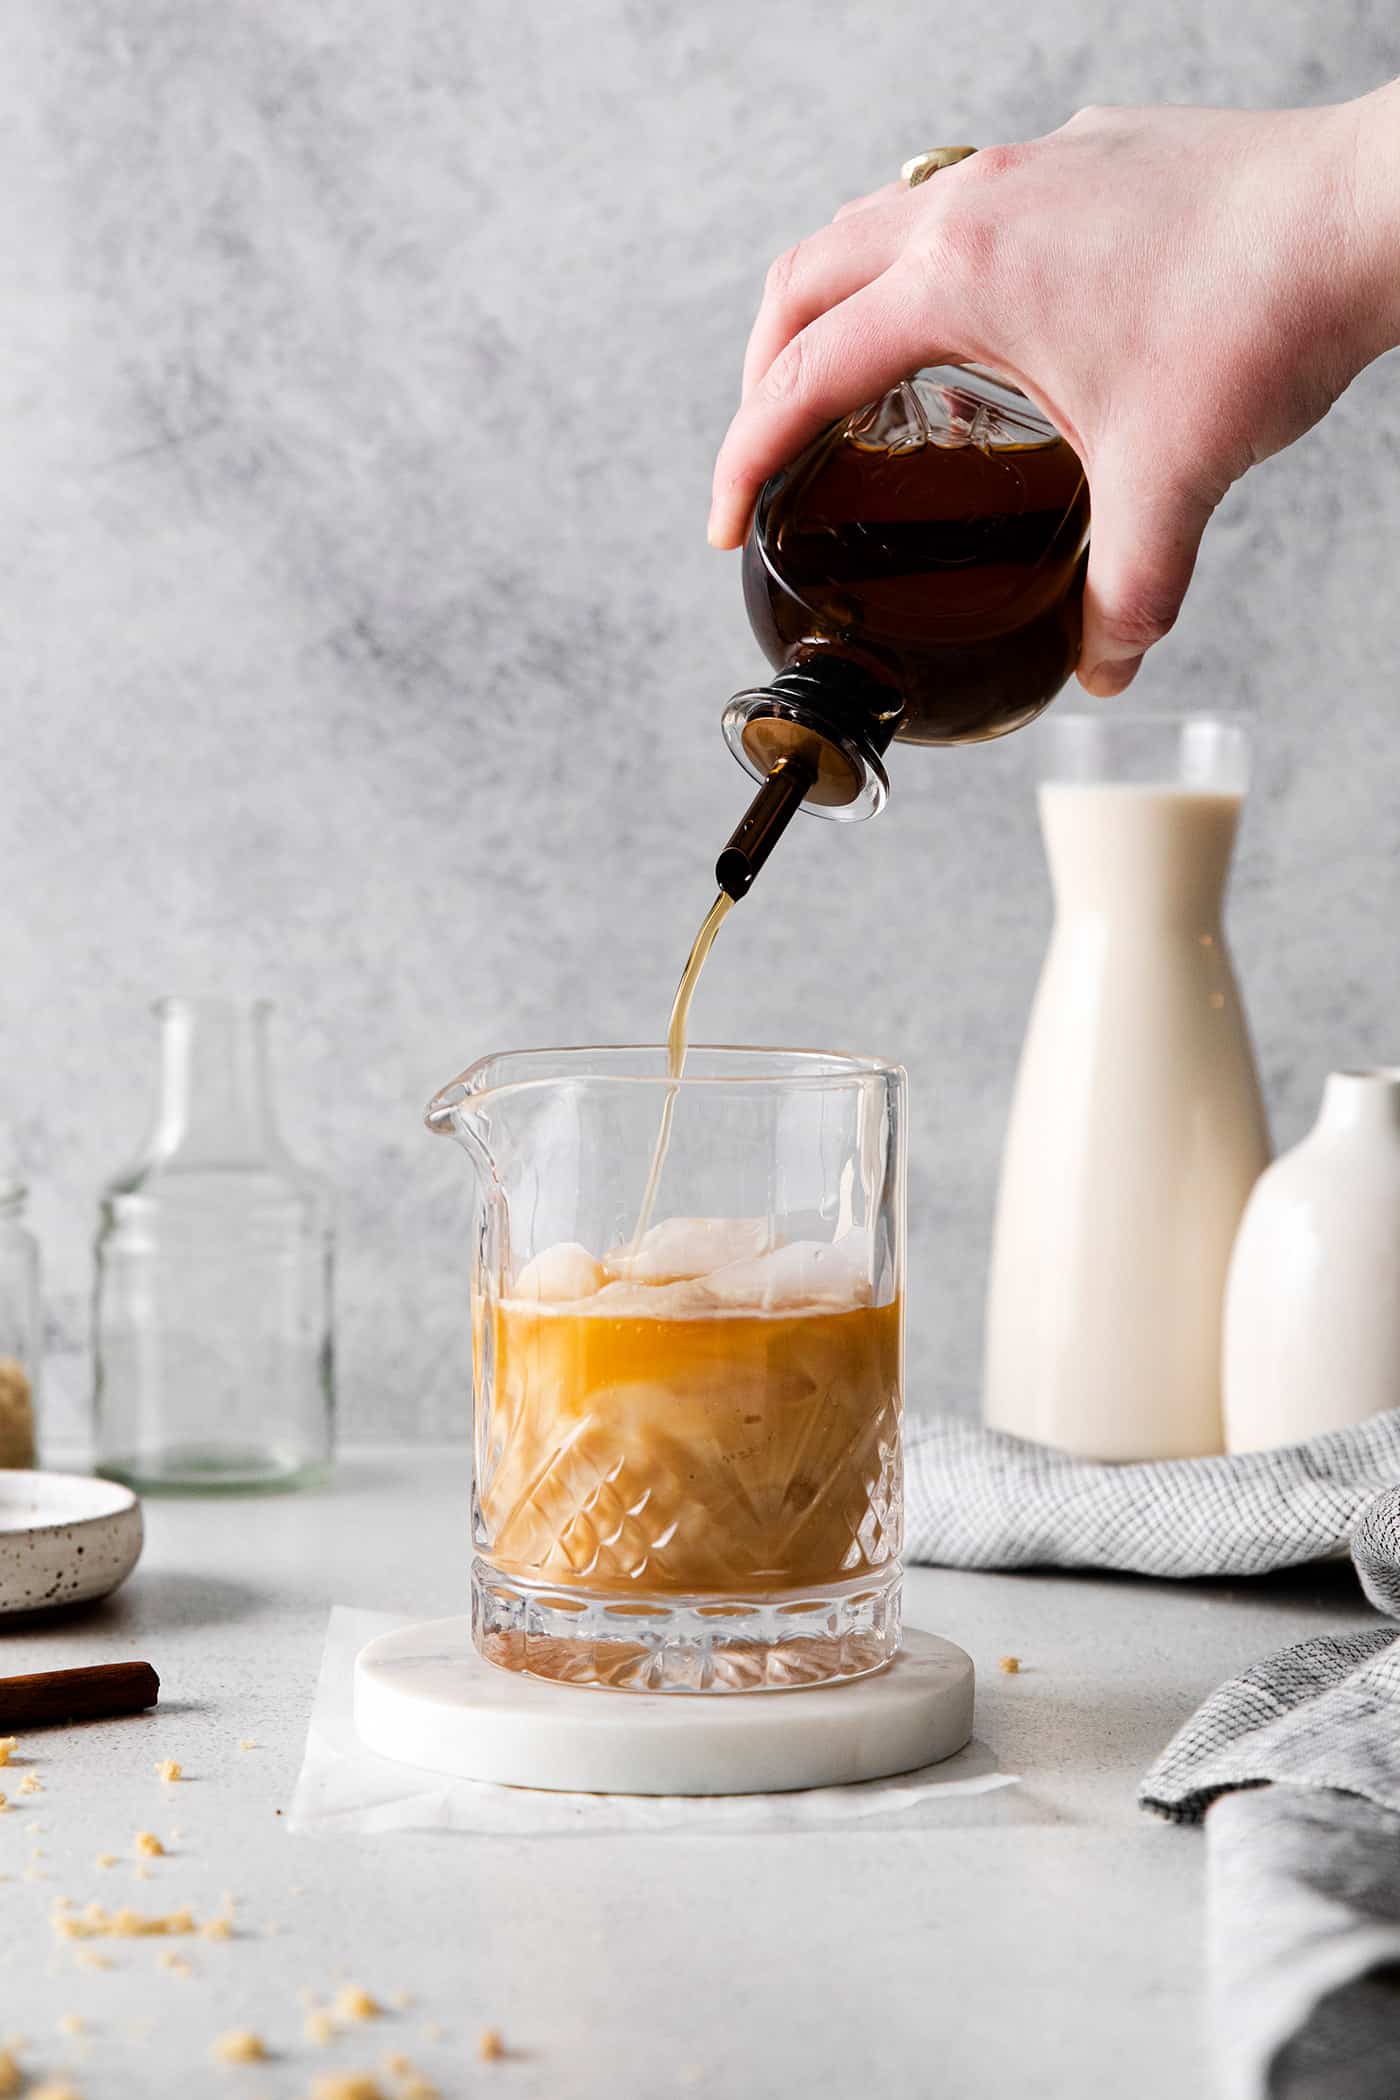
(1043, 1940)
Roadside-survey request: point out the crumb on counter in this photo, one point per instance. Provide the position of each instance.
(346, 2085)
(354, 2003)
(319, 2027)
(401, 2000)
(8, 1746)
(247, 1742)
(71, 2023)
(169, 1770)
(105, 1859)
(176, 1963)
(59, 2090)
(490, 2045)
(95, 1923)
(216, 1929)
(417, 2087)
(31, 1784)
(238, 2046)
(4, 1805)
(89, 1958)
(149, 1845)
(1009, 1665)
(11, 2076)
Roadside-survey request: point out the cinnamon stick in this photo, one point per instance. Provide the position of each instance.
(91, 1694)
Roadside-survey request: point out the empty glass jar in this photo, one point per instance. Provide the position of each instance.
(21, 1327)
(213, 1309)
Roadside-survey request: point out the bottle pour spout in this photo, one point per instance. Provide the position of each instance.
(766, 819)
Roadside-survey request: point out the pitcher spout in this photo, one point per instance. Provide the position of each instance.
(442, 1113)
(460, 1110)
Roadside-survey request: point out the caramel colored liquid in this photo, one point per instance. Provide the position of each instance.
(677, 1037)
(950, 566)
(753, 1452)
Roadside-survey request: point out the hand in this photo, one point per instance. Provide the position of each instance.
(1182, 291)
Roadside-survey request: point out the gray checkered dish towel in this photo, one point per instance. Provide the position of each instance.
(1298, 1760)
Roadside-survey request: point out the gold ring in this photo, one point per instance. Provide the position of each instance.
(923, 165)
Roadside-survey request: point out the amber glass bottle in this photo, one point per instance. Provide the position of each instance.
(917, 574)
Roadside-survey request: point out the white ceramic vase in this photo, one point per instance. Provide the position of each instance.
(1312, 1313)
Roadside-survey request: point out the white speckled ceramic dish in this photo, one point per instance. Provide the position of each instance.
(64, 1539)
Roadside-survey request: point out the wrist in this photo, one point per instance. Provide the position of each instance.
(1368, 200)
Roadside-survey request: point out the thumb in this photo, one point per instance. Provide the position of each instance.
(1145, 533)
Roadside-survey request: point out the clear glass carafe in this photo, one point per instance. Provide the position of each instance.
(687, 1443)
(21, 1328)
(213, 1333)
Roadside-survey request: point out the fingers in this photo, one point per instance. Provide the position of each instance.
(1141, 554)
(814, 275)
(849, 355)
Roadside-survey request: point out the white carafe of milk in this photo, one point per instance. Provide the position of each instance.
(1137, 1129)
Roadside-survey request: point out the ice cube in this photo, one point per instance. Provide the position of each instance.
(832, 1275)
(680, 1248)
(560, 1275)
(688, 1299)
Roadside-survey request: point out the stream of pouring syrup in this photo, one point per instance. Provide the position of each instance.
(677, 1037)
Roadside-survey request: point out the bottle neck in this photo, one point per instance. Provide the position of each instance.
(831, 716)
(1363, 1103)
(215, 1089)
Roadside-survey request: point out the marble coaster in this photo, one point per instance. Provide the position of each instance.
(423, 1696)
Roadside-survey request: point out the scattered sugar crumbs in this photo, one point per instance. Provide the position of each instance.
(1009, 1665)
(354, 2003)
(216, 1929)
(71, 2023)
(105, 1859)
(31, 1784)
(490, 2045)
(60, 2089)
(319, 2027)
(89, 1958)
(8, 1746)
(347, 2085)
(11, 2076)
(247, 1742)
(177, 1964)
(169, 1770)
(239, 2046)
(148, 1845)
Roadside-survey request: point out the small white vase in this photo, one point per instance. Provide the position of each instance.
(1312, 1309)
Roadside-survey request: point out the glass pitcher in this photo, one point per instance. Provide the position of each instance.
(687, 1442)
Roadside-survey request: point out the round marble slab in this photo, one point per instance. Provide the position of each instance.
(65, 1538)
(423, 1696)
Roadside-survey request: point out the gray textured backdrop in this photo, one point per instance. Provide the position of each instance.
(362, 366)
